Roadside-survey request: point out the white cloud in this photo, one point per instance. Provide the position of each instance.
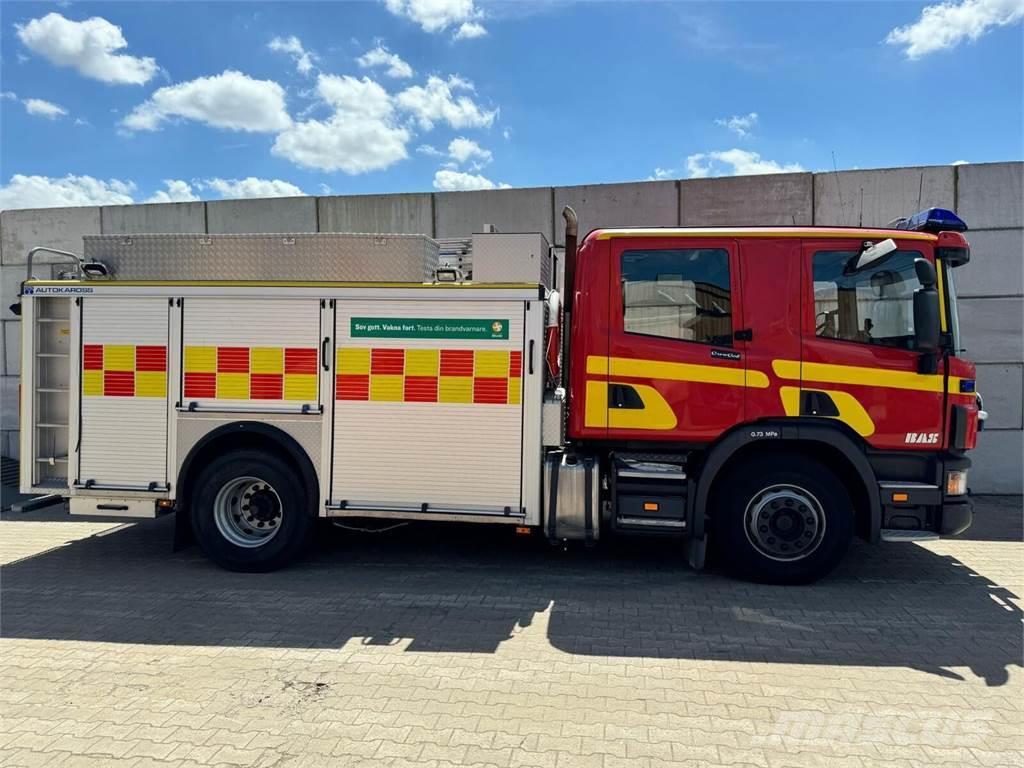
(177, 191)
(362, 135)
(507, 133)
(382, 57)
(961, 162)
(470, 30)
(946, 25)
(229, 100)
(462, 149)
(741, 125)
(660, 174)
(251, 187)
(81, 121)
(52, 192)
(88, 46)
(438, 15)
(293, 46)
(447, 180)
(429, 150)
(734, 162)
(436, 102)
(43, 108)
(9, 96)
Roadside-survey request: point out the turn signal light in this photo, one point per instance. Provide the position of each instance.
(901, 497)
(956, 482)
(650, 506)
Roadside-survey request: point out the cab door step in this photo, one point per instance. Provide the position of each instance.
(650, 493)
(899, 535)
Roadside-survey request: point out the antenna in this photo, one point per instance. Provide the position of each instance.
(839, 189)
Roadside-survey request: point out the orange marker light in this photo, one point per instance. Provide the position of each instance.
(901, 497)
(650, 506)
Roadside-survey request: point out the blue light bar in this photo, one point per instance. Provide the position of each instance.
(934, 220)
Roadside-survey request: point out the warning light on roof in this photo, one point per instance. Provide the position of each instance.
(933, 220)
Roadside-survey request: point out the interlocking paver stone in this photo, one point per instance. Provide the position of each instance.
(436, 646)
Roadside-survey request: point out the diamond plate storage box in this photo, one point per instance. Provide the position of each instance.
(298, 257)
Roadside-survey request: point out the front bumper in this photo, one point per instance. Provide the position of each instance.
(957, 514)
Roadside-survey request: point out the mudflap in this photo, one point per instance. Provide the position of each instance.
(183, 538)
(697, 550)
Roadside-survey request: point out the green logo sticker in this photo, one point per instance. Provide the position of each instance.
(427, 328)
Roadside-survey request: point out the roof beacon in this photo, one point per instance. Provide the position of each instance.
(933, 220)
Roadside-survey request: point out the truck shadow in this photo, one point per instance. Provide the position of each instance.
(462, 589)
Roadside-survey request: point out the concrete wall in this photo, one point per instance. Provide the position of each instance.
(989, 197)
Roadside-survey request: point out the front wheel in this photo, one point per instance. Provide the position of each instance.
(783, 519)
(250, 513)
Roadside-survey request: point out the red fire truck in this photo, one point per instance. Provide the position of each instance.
(771, 391)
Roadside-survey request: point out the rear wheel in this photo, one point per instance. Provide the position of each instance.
(250, 512)
(783, 519)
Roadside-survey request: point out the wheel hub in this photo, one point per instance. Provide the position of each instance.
(785, 522)
(248, 512)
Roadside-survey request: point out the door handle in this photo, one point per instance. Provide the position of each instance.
(323, 353)
(744, 334)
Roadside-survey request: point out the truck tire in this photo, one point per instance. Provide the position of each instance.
(782, 519)
(250, 512)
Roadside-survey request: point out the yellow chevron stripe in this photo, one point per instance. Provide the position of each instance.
(830, 373)
(662, 369)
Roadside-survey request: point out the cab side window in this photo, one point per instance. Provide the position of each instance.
(680, 294)
(871, 306)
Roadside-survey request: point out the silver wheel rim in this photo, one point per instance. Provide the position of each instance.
(785, 522)
(248, 512)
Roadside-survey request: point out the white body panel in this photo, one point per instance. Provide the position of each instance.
(264, 332)
(474, 459)
(123, 440)
(394, 451)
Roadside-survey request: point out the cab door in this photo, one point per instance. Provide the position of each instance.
(673, 371)
(860, 365)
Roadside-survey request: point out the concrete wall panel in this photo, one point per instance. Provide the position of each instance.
(155, 218)
(992, 329)
(510, 210)
(9, 406)
(1002, 387)
(654, 204)
(874, 198)
(991, 195)
(12, 347)
(10, 445)
(783, 199)
(60, 228)
(996, 464)
(395, 214)
(282, 214)
(997, 264)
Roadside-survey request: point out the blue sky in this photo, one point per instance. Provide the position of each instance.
(120, 102)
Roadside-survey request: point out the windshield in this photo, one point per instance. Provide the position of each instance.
(951, 308)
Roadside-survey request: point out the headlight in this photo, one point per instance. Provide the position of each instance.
(956, 482)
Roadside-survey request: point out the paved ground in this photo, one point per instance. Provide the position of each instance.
(430, 647)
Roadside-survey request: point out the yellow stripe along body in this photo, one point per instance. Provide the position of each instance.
(658, 415)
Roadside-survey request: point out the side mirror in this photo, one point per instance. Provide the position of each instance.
(926, 308)
(925, 273)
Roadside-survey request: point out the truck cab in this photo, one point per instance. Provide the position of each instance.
(766, 360)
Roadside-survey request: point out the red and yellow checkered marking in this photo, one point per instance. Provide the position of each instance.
(251, 373)
(124, 370)
(480, 376)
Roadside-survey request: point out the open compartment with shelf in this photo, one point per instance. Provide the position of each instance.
(51, 392)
